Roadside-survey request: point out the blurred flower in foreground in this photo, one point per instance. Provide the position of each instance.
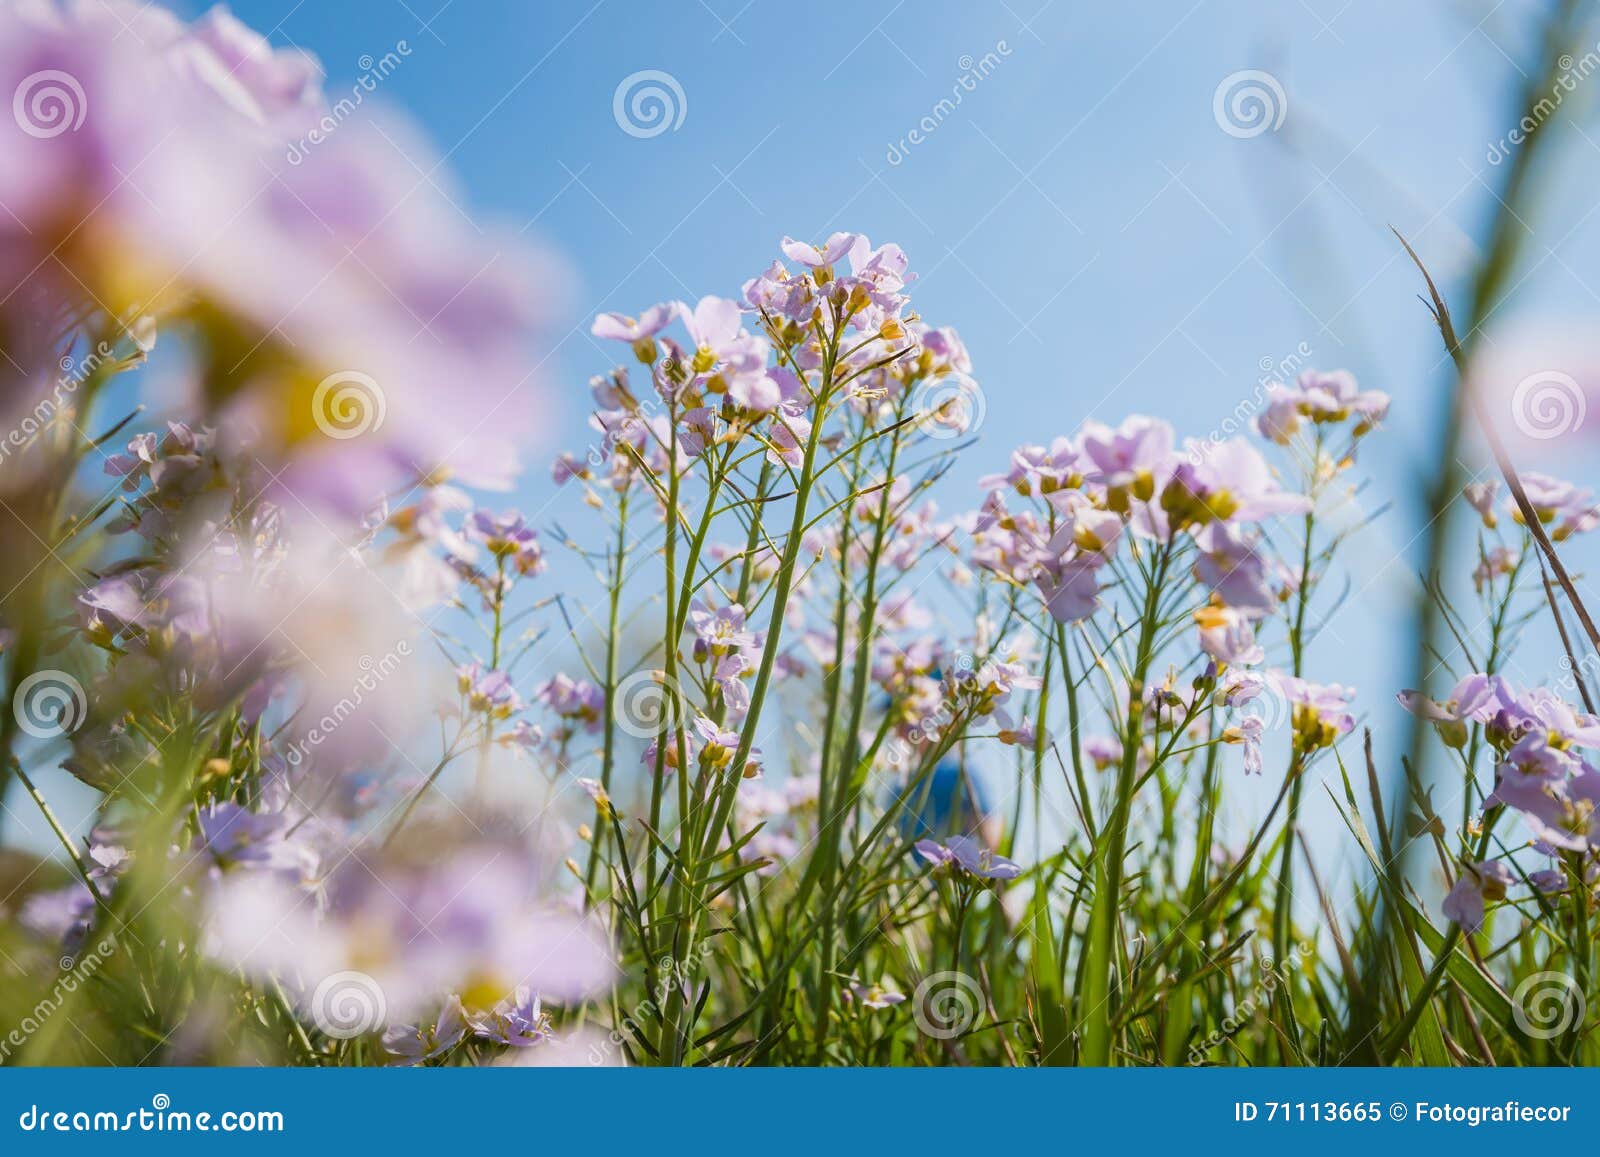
(327, 304)
(472, 921)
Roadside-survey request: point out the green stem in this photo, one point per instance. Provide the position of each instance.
(1095, 1010)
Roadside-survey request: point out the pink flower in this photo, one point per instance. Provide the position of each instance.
(1226, 482)
(788, 435)
(621, 327)
(1484, 880)
(1226, 635)
(1133, 460)
(815, 256)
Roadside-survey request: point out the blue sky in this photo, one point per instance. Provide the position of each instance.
(1103, 246)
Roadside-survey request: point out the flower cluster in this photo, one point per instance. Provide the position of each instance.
(1540, 774)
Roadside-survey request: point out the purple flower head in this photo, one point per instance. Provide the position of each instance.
(1533, 761)
(187, 150)
(109, 860)
(1230, 564)
(872, 996)
(235, 837)
(788, 436)
(1131, 462)
(1226, 482)
(63, 915)
(967, 855)
(1550, 881)
(488, 692)
(278, 87)
(1071, 590)
(1022, 733)
(779, 294)
(577, 700)
(721, 631)
(754, 393)
(1320, 712)
(1103, 751)
(412, 1044)
(1247, 734)
(717, 746)
(518, 1021)
(507, 536)
(1562, 813)
(818, 256)
(1471, 700)
(716, 327)
(1564, 508)
(1227, 636)
(637, 333)
(1481, 497)
(1321, 398)
(729, 676)
(1486, 880)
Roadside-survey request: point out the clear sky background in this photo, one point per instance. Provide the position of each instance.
(1103, 246)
